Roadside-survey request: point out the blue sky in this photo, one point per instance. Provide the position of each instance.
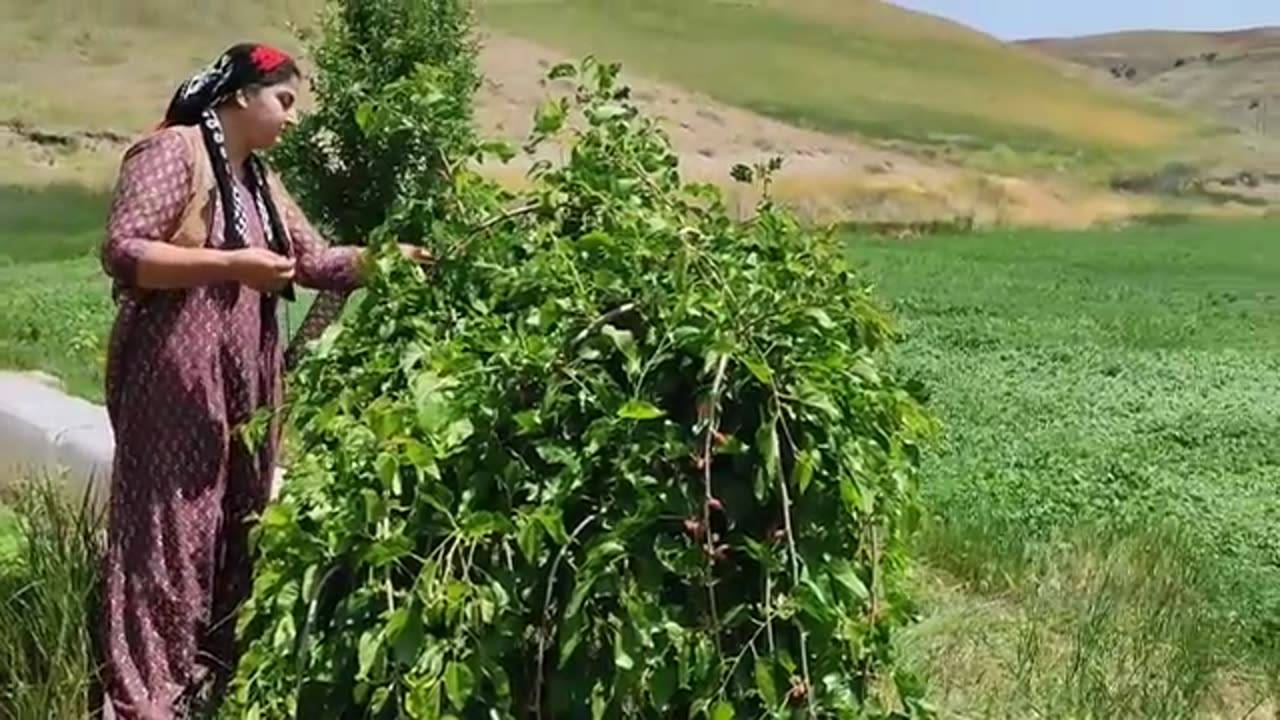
(1014, 19)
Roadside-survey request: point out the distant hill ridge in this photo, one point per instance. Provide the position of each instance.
(1231, 76)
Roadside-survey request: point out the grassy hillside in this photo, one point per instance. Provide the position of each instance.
(859, 66)
(114, 63)
(847, 66)
(947, 107)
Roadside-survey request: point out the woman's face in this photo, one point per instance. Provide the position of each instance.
(267, 110)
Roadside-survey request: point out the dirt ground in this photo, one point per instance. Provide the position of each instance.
(824, 176)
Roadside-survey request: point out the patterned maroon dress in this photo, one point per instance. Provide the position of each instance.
(184, 368)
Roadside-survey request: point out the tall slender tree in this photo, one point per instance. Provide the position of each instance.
(415, 56)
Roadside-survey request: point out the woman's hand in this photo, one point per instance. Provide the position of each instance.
(419, 255)
(261, 269)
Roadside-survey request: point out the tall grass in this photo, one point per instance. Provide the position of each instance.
(1096, 625)
(48, 590)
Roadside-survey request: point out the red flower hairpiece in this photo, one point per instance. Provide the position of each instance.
(267, 58)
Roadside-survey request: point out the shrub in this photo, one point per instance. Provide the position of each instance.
(616, 455)
(48, 587)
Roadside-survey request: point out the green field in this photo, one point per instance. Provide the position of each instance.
(1115, 383)
(1102, 538)
(1111, 375)
(1098, 536)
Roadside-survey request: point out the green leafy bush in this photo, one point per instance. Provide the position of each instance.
(615, 455)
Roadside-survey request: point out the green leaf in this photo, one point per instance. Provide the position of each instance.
(601, 554)
(609, 111)
(389, 472)
(364, 117)
(621, 657)
(478, 525)
(386, 552)
(813, 600)
(432, 401)
(562, 70)
(662, 685)
(502, 149)
(599, 703)
(549, 117)
(803, 471)
(553, 522)
(275, 516)
(457, 433)
(572, 630)
(407, 633)
(367, 651)
(626, 344)
(823, 319)
(423, 702)
(843, 573)
(760, 369)
(459, 683)
(767, 445)
(722, 711)
(528, 421)
(765, 682)
(374, 507)
(529, 539)
(640, 410)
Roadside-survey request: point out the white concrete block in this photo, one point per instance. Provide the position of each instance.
(45, 431)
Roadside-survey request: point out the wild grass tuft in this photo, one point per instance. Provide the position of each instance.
(48, 590)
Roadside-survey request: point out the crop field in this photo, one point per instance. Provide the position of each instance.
(1103, 502)
(1116, 376)
(1116, 384)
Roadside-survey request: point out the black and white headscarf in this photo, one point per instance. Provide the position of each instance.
(195, 103)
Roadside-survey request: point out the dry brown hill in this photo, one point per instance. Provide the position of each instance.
(1232, 77)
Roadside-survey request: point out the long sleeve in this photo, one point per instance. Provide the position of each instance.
(321, 266)
(151, 193)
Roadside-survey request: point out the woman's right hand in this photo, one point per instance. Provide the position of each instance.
(261, 269)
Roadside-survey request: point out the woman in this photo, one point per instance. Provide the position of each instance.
(202, 242)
